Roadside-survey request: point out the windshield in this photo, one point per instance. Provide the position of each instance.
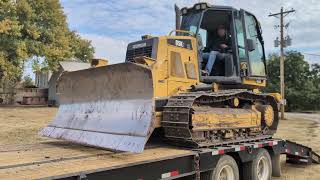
(190, 22)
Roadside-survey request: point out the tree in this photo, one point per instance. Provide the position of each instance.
(301, 81)
(33, 29)
(12, 48)
(315, 74)
(27, 82)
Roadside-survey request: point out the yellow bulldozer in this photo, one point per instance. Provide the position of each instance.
(162, 88)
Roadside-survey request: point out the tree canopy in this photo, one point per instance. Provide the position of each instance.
(36, 29)
(302, 81)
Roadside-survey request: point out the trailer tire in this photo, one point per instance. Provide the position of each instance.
(276, 167)
(260, 168)
(226, 167)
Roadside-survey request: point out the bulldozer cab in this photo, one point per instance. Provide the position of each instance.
(243, 62)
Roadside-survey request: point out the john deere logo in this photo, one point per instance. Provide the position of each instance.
(179, 43)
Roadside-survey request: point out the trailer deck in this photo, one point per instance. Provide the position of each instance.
(62, 160)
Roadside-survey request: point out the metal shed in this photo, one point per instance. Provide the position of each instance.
(64, 66)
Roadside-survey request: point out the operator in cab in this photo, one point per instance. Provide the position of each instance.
(218, 50)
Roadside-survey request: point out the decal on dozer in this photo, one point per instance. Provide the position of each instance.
(110, 107)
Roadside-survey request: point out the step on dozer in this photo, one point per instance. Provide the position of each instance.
(110, 107)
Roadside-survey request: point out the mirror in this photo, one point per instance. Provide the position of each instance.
(251, 45)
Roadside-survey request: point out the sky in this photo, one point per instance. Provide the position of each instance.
(112, 24)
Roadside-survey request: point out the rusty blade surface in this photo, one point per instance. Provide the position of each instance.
(110, 107)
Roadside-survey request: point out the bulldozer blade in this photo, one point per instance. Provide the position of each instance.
(110, 107)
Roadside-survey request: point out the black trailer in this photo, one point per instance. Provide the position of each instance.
(61, 160)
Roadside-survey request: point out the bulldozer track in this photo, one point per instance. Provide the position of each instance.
(177, 117)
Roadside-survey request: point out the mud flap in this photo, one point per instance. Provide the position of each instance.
(110, 107)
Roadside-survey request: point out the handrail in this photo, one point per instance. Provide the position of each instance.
(182, 31)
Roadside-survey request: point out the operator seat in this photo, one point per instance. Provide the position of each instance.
(221, 67)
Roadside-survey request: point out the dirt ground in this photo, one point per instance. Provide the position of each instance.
(303, 129)
(21, 125)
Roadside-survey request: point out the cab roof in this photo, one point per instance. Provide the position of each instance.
(203, 6)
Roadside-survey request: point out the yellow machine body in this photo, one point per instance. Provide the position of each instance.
(206, 118)
(175, 69)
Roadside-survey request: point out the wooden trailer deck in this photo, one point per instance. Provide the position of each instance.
(60, 159)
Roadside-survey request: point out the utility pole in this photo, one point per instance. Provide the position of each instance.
(283, 43)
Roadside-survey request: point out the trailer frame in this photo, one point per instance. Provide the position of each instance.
(199, 162)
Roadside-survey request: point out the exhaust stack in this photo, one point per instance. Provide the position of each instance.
(178, 17)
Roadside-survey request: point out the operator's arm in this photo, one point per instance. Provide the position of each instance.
(226, 44)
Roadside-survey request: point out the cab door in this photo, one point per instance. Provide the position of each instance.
(240, 32)
(254, 45)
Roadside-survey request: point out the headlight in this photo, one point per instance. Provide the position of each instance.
(184, 11)
(203, 6)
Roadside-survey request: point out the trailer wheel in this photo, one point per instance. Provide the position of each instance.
(260, 168)
(276, 167)
(226, 169)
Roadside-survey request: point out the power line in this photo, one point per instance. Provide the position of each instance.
(311, 54)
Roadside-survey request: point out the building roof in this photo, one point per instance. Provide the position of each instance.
(74, 66)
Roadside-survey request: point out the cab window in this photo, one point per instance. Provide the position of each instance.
(256, 59)
(240, 40)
